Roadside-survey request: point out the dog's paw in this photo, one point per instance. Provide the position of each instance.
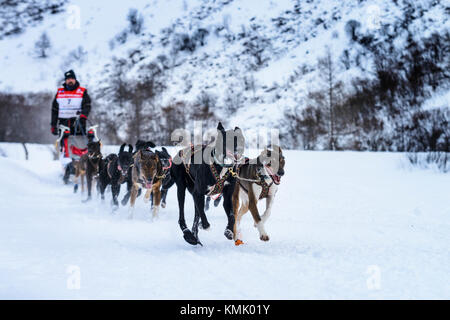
(205, 226)
(264, 237)
(87, 200)
(229, 234)
(190, 238)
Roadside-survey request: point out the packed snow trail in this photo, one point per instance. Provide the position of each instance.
(344, 225)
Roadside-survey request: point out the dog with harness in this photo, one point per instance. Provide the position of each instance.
(167, 180)
(146, 174)
(208, 171)
(88, 167)
(69, 156)
(258, 179)
(140, 145)
(116, 170)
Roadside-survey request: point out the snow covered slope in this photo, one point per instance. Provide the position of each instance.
(344, 225)
(291, 35)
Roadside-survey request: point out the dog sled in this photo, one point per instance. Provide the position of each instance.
(71, 147)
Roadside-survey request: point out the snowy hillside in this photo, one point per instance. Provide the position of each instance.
(261, 55)
(344, 225)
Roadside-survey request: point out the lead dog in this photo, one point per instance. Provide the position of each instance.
(140, 145)
(206, 171)
(257, 180)
(146, 174)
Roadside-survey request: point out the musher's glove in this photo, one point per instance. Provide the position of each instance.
(83, 119)
(54, 131)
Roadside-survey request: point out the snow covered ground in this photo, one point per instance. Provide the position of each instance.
(344, 225)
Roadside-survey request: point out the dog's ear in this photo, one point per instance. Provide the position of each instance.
(150, 144)
(130, 148)
(122, 147)
(258, 161)
(158, 164)
(138, 155)
(238, 129)
(101, 144)
(264, 156)
(267, 152)
(221, 128)
(211, 141)
(166, 153)
(277, 148)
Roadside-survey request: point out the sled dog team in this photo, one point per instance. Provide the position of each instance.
(218, 170)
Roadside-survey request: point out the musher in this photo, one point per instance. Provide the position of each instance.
(70, 108)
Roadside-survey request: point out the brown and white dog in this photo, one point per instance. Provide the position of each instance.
(257, 179)
(146, 173)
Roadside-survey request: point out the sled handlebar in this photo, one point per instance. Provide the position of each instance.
(62, 129)
(94, 129)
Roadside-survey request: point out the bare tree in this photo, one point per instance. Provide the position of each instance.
(257, 47)
(328, 74)
(144, 116)
(303, 127)
(42, 46)
(23, 117)
(175, 116)
(203, 108)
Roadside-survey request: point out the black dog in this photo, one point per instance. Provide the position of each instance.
(216, 202)
(144, 145)
(209, 173)
(115, 170)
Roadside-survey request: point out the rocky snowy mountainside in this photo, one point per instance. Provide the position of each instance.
(253, 63)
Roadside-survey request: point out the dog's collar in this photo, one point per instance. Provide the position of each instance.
(271, 175)
(94, 156)
(124, 172)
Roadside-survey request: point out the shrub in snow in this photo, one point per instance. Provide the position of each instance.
(432, 160)
(136, 21)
